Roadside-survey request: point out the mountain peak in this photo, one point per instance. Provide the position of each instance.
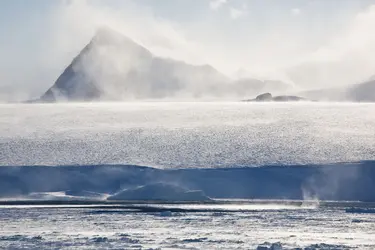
(107, 36)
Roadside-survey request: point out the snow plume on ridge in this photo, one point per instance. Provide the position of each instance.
(65, 34)
(113, 67)
(137, 23)
(121, 62)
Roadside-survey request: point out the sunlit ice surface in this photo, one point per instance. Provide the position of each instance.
(180, 134)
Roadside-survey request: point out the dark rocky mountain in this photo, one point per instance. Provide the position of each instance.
(363, 92)
(113, 67)
(328, 94)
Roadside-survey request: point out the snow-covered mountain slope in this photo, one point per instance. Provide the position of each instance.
(113, 67)
(363, 92)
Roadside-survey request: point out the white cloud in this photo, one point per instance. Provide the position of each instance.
(344, 59)
(358, 38)
(296, 11)
(216, 4)
(236, 13)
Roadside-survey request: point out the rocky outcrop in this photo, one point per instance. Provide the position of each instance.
(251, 86)
(267, 97)
(288, 98)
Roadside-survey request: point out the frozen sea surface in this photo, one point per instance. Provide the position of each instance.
(171, 135)
(38, 227)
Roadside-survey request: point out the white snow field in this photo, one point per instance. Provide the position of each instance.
(72, 174)
(174, 135)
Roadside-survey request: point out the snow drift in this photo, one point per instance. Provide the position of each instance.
(160, 191)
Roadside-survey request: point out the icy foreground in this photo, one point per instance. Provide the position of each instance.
(272, 227)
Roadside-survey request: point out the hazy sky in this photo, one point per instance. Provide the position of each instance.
(260, 38)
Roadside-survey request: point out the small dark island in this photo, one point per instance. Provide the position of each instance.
(267, 97)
